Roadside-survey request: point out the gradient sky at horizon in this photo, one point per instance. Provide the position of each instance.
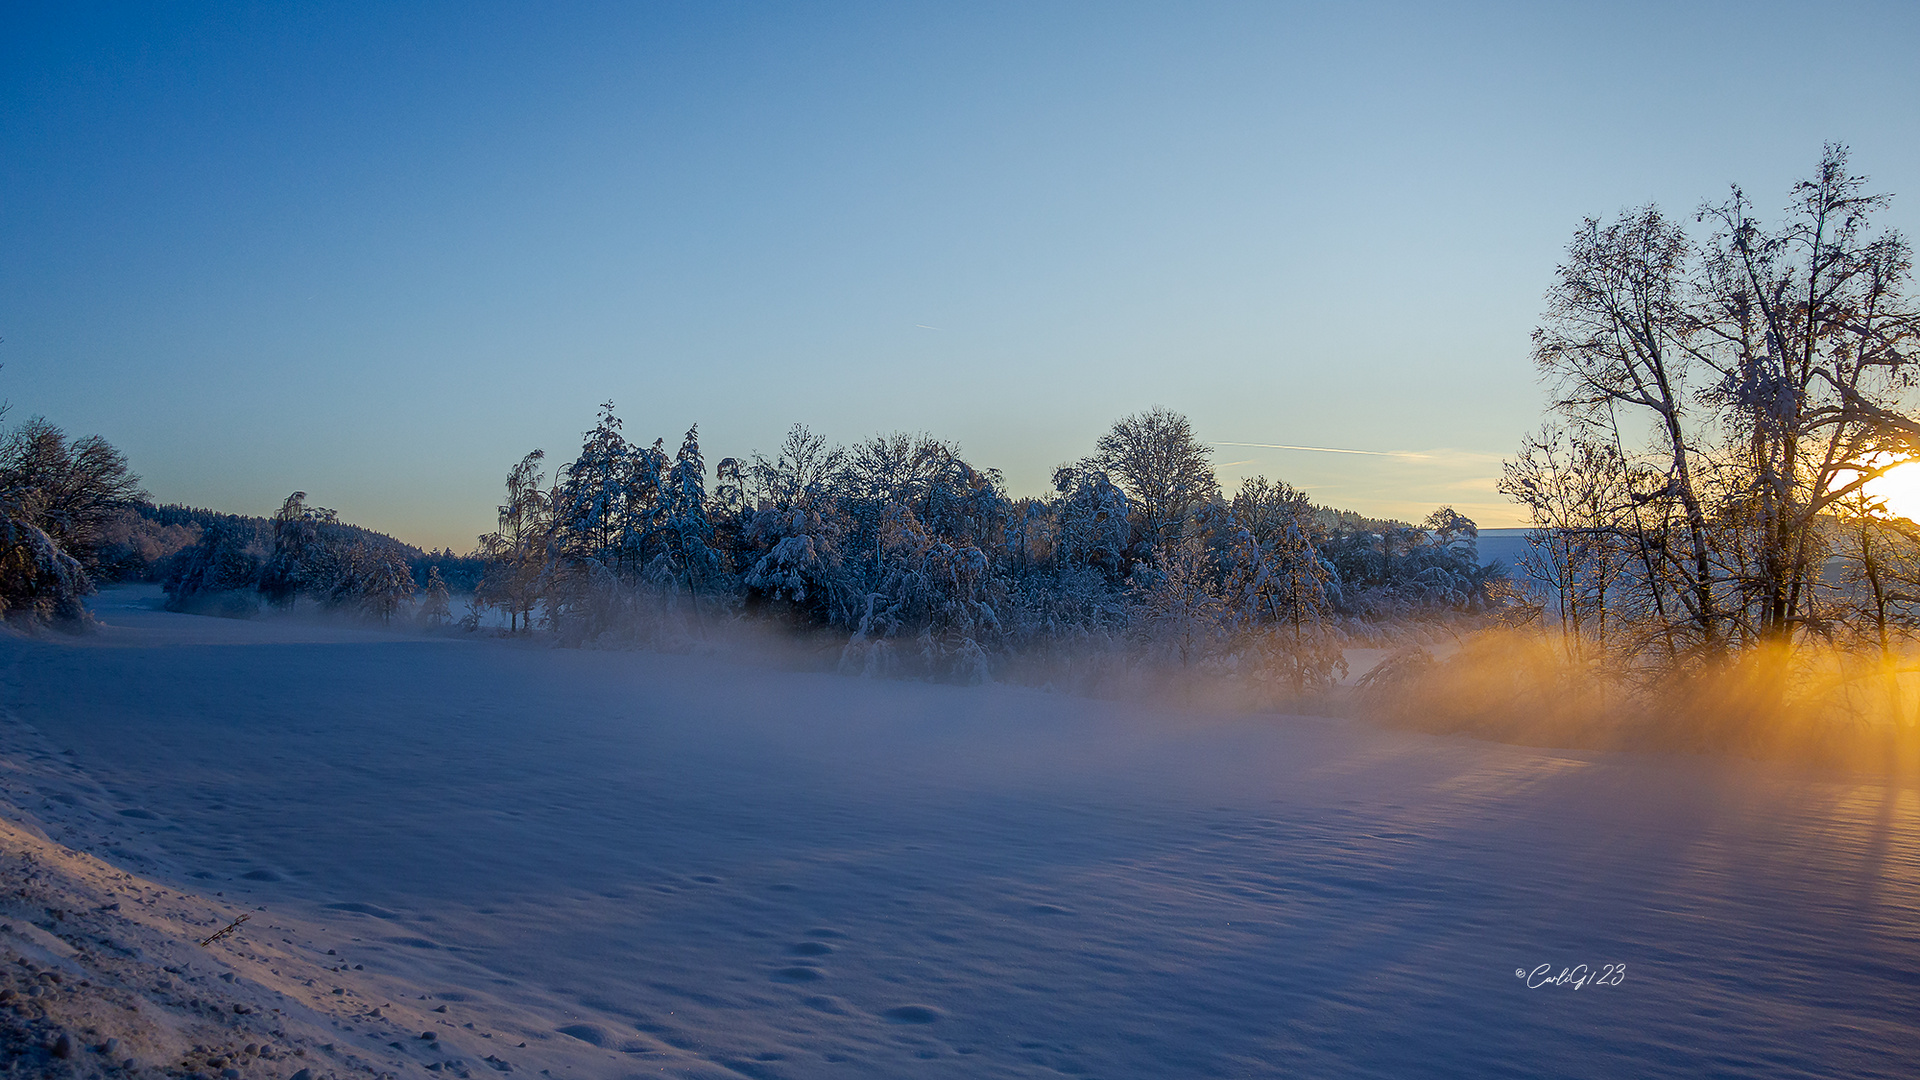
(377, 252)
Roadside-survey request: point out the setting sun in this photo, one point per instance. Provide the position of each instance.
(1898, 490)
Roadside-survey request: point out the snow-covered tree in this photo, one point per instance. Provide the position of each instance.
(1441, 569)
(435, 600)
(684, 525)
(1181, 614)
(1066, 566)
(801, 565)
(302, 557)
(1092, 521)
(940, 594)
(640, 540)
(517, 552)
(386, 582)
(794, 542)
(221, 572)
(590, 505)
(1278, 589)
(804, 471)
(896, 468)
(69, 490)
(58, 500)
(901, 595)
(729, 489)
(585, 599)
(728, 511)
(1578, 496)
(37, 579)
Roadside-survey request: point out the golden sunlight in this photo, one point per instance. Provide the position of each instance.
(1898, 490)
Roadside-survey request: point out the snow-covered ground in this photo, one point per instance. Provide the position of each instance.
(643, 864)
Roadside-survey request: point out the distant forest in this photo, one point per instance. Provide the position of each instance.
(144, 541)
(230, 564)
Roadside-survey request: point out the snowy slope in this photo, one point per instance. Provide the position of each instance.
(683, 866)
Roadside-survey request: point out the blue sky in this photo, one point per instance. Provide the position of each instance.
(377, 252)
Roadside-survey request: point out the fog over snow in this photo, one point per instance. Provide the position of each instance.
(646, 864)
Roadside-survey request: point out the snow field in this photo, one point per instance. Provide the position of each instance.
(666, 865)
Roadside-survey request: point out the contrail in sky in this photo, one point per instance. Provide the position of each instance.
(1325, 449)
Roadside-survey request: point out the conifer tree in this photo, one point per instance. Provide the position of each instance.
(590, 506)
(686, 528)
(435, 602)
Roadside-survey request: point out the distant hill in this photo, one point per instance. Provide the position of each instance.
(176, 514)
(150, 536)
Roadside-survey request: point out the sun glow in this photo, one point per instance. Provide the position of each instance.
(1897, 490)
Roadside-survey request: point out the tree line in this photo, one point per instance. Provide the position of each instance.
(897, 548)
(916, 560)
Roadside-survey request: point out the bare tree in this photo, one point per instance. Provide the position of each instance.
(1814, 343)
(805, 468)
(1616, 339)
(1764, 368)
(1278, 590)
(1577, 496)
(1164, 470)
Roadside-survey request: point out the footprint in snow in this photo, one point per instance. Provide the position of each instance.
(912, 1014)
(797, 975)
(143, 815)
(810, 948)
(262, 875)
